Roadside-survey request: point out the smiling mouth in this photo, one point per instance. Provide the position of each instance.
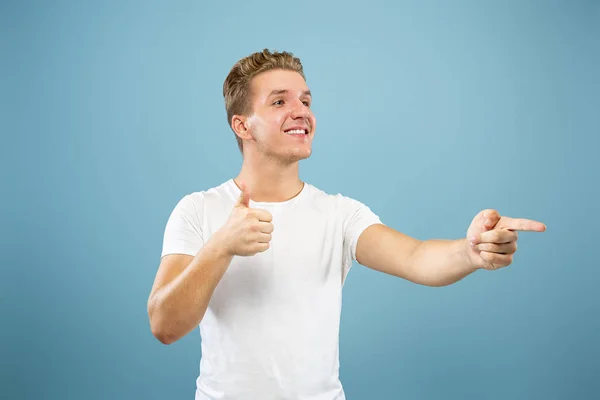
(297, 131)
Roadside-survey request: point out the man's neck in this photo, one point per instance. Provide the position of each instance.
(270, 181)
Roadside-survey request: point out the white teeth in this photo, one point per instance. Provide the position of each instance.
(296, 132)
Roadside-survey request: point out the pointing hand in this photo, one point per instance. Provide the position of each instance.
(492, 239)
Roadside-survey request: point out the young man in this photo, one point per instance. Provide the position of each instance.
(259, 261)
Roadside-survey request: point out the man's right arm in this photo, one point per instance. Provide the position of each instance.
(182, 290)
(184, 284)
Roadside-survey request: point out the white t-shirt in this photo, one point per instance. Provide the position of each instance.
(271, 329)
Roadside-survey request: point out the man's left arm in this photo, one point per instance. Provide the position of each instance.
(490, 243)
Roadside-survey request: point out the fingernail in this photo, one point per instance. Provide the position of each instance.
(487, 222)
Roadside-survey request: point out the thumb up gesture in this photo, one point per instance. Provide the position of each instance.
(247, 231)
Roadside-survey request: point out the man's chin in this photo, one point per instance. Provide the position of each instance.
(297, 156)
(303, 155)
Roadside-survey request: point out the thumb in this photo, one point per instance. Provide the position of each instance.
(489, 219)
(484, 221)
(244, 199)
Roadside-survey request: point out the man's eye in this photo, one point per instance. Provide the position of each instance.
(306, 103)
(278, 103)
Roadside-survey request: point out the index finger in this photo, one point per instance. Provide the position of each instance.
(263, 215)
(520, 224)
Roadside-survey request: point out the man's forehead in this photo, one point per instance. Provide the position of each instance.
(280, 82)
(287, 92)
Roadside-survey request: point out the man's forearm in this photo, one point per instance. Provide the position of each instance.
(442, 262)
(179, 306)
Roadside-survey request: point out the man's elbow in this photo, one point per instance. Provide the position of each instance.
(163, 336)
(160, 329)
(162, 332)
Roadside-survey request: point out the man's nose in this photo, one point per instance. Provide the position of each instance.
(300, 110)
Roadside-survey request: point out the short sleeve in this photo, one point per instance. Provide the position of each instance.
(183, 232)
(356, 218)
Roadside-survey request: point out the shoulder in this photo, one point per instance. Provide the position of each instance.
(193, 203)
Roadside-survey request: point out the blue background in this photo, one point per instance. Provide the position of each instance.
(427, 111)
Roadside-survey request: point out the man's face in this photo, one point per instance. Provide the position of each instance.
(282, 124)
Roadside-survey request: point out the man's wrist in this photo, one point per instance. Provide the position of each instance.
(467, 254)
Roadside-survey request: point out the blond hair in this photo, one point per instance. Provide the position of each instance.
(236, 88)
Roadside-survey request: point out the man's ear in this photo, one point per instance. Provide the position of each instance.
(239, 124)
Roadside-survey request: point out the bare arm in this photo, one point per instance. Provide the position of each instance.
(184, 284)
(435, 262)
(490, 244)
(183, 288)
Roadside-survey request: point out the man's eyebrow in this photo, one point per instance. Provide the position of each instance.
(285, 91)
